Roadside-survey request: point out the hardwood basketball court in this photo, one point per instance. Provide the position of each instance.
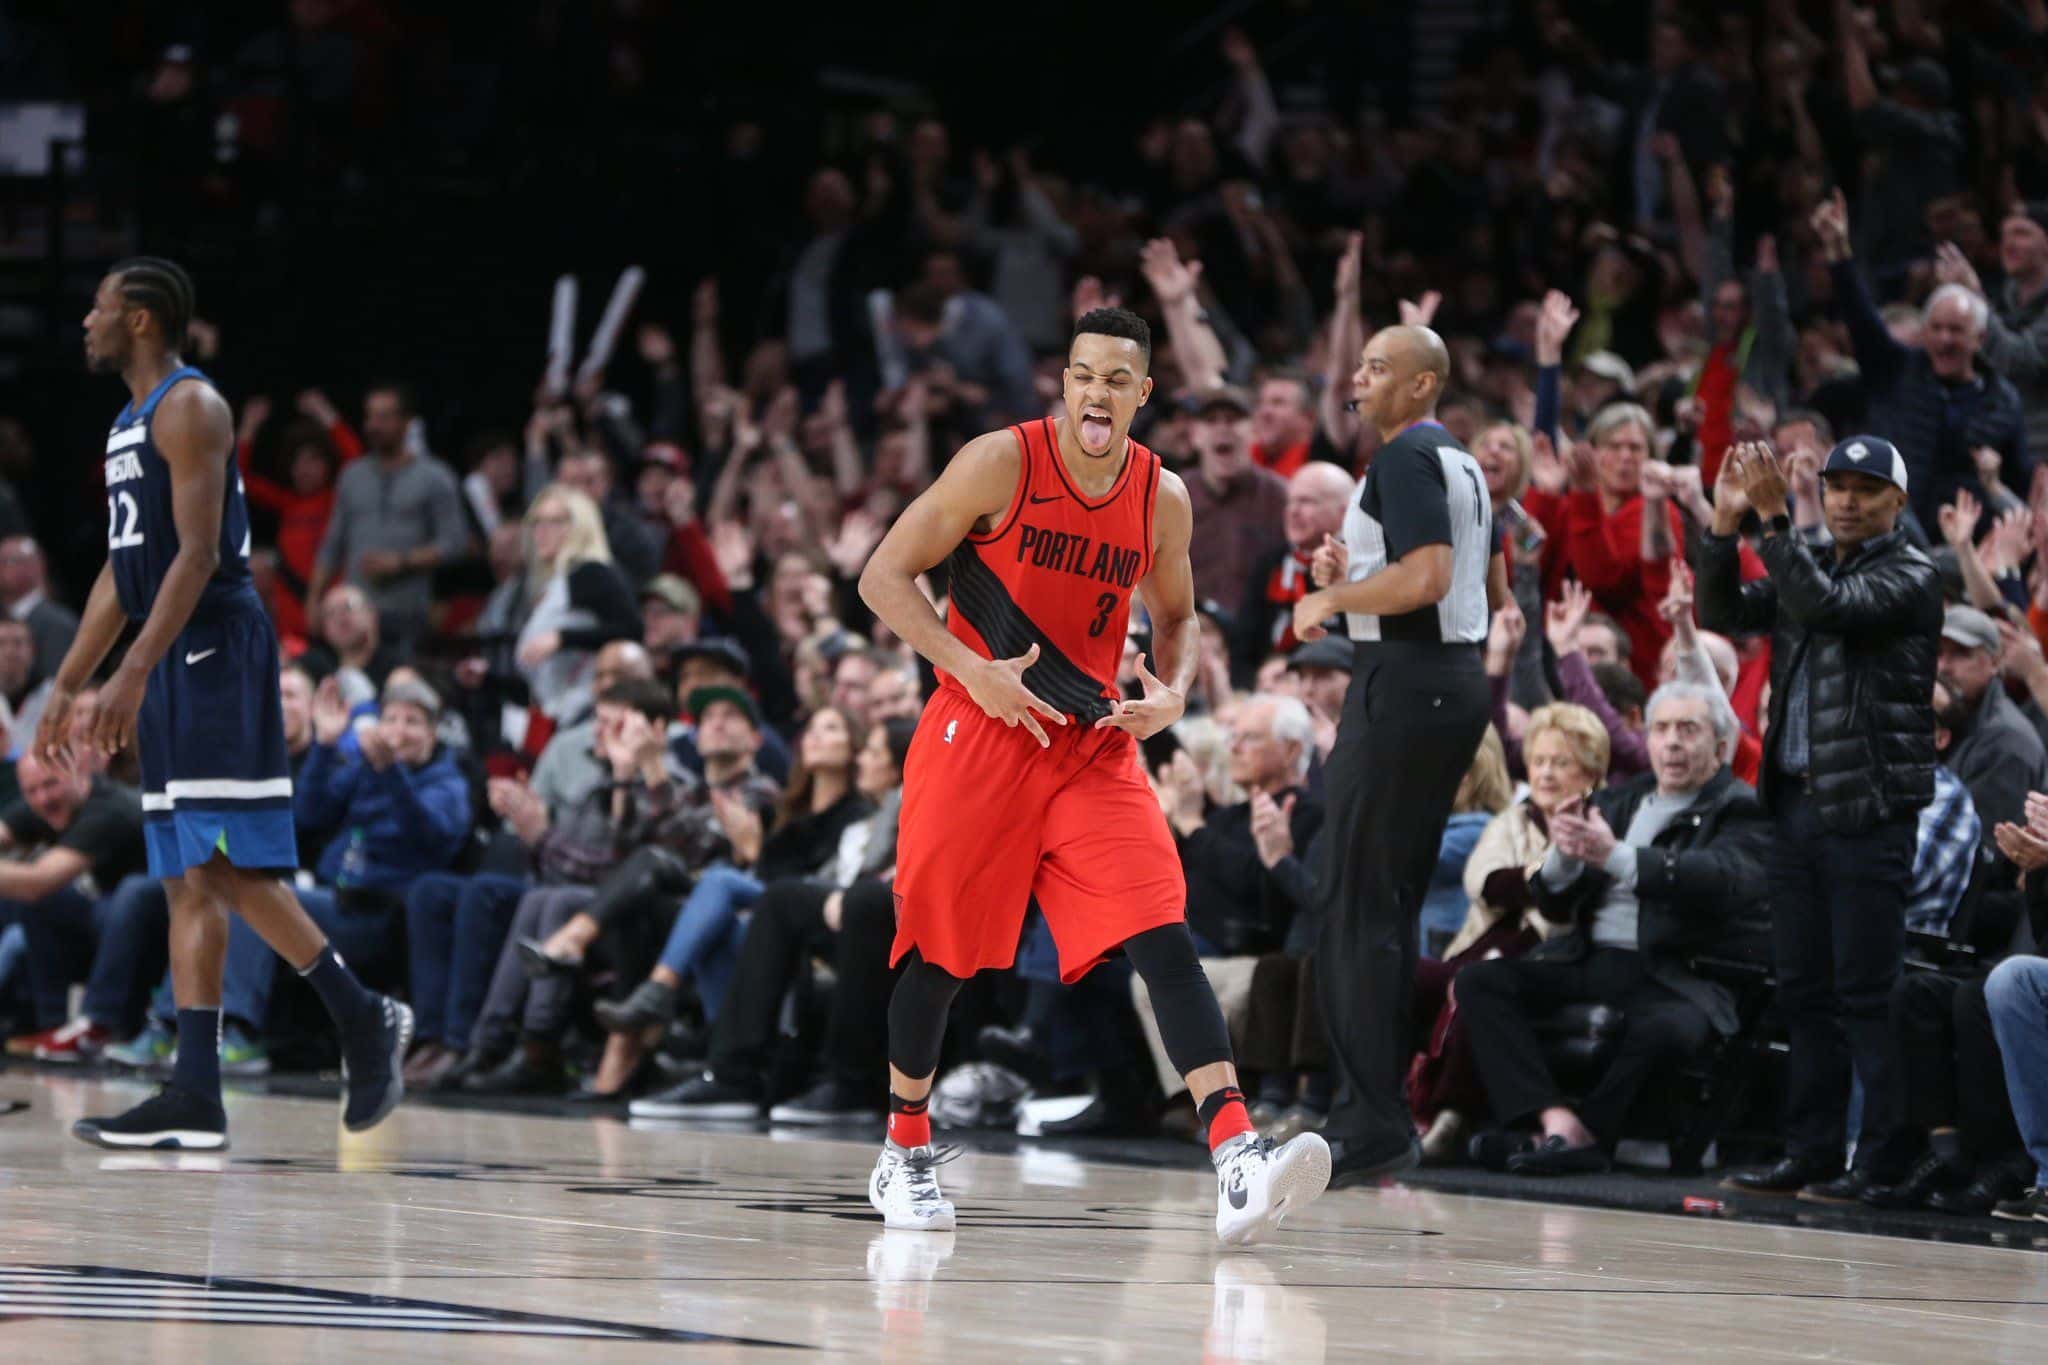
(454, 1234)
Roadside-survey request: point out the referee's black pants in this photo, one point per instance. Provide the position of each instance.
(1413, 717)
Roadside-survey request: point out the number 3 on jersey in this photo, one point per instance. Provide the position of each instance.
(124, 520)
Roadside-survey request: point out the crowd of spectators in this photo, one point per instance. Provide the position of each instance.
(596, 747)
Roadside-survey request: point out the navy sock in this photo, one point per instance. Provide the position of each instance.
(197, 1070)
(345, 997)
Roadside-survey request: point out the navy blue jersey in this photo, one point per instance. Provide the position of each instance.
(142, 532)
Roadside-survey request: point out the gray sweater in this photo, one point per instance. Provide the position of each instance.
(400, 508)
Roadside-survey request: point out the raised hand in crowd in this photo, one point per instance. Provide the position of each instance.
(330, 712)
(1089, 295)
(1582, 475)
(255, 412)
(1554, 322)
(1546, 471)
(1830, 223)
(1990, 471)
(1563, 617)
(2007, 544)
(732, 545)
(1329, 563)
(1958, 519)
(1272, 827)
(853, 541)
(316, 405)
(1676, 608)
(1504, 636)
(1951, 266)
(1173, 280)
(1421, 312)
(1583, 834)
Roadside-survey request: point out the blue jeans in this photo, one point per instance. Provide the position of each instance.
(2017, 998)
(454, 927)
(704, 943)
(134, 943)
(62, 929)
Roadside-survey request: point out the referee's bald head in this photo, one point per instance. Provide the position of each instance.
(1400, 377)
(1421, 351)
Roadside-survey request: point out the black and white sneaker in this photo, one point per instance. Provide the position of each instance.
(829, 1101)
(170, 1120)
(700, 1097)
(1258, 1184)
(372, 1067)
(905, 1191)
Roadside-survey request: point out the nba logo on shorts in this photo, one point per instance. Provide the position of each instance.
(951, 726)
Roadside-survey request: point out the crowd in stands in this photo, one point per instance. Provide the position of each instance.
(597, 751)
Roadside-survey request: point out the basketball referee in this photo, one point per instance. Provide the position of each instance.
(1421, 570)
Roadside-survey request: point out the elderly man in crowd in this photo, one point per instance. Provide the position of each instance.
(1931, 400)
(1317, 494)
(1647, 875)
(1848, 766)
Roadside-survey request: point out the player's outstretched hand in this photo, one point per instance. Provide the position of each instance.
(113, 725)
(52, 744)
(998, 688)
(1160, 707)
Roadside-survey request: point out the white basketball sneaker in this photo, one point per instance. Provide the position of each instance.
(1258, 1184)
(905, 1188)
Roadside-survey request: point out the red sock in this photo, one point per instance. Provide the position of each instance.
(910, 1123)
(1225, 1115)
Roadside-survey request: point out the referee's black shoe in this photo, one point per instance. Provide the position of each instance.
(172, 1119)
(1354, 1164)
(372, 1065)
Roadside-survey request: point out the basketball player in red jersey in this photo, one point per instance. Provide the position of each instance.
(1024, 779)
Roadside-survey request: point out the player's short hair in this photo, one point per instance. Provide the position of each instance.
(1619, 684)
(162, 289)
(1117, 322)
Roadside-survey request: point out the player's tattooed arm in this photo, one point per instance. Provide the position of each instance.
(974, 491)
(194, 431)
(1169, 591)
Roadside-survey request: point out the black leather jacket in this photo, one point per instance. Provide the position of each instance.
(1868, 628)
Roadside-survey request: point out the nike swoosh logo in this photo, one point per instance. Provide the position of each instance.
(191, 659)
(1035, 499)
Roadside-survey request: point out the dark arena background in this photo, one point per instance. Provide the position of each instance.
(577, 359)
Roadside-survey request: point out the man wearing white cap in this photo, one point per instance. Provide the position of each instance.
(1848, 764)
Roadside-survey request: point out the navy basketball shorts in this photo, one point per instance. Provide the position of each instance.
(216, 777)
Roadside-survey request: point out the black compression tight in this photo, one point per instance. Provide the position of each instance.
(917, 1016)
(1190, 1024)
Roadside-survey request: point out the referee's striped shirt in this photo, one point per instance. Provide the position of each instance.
(1423, 489)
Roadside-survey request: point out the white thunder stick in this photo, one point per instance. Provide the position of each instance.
(613, 321)
(561, 336)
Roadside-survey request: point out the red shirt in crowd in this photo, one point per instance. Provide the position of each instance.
(1283, 460)
(1716, 394)
(301, 518)
(1603, 550)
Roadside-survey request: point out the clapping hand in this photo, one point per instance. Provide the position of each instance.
(1951, 266)
(1585, 836)
(1272, 826)
(2027, 850)
(330, 712)
(1160, 707)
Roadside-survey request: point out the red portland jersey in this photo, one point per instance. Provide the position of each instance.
(1057, 571)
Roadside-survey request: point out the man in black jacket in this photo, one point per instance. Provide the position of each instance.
(1654, 872)
(1848, 764)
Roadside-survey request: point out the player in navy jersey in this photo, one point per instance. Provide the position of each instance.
(197, 692)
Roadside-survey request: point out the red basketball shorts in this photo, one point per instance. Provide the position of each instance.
(991, 820)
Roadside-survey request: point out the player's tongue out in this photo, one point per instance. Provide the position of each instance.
(1095, 430)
